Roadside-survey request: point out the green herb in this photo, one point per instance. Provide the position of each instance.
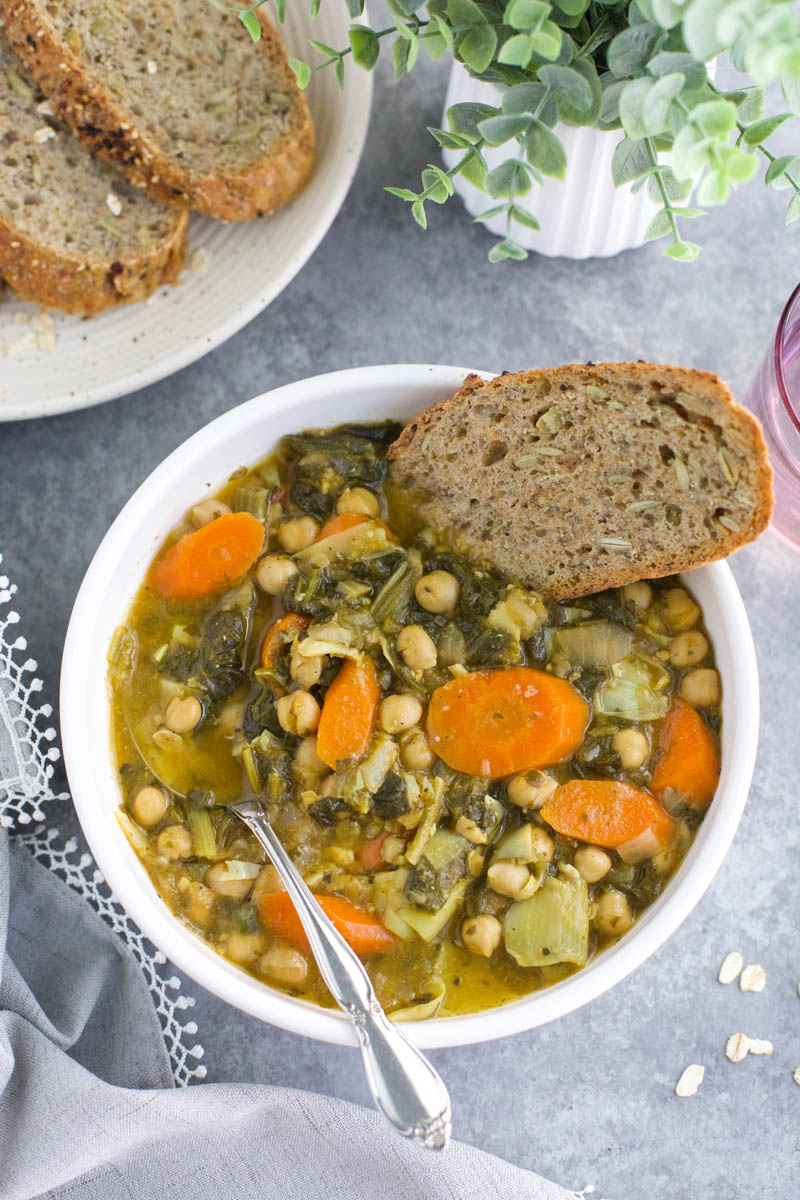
(638, 66)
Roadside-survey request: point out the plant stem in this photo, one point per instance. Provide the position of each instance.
(761, 148)
(667, 203)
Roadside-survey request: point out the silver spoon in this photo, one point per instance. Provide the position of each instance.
(403, 1083)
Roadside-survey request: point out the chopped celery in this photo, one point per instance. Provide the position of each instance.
(429, 924)
(205, 843)
(254, 500)
(594, 643)
(394, 597)
(552, 925)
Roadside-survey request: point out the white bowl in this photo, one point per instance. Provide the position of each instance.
(243, 436)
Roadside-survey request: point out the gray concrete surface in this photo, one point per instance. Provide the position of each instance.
(589, 1099)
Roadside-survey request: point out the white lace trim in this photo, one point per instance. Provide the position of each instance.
(27, 762)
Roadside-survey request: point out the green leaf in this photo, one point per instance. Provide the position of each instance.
(569, 113)
(658, 101)
(509, 179)
(749, 103)
(544, 151)
(474, 170)
(523, 98)
(738, 164)
(496, 130)
(489, 213)
(630, 161)
(400, 53)
(793, 211)
(355, 8)
(251, 23)
(677, 190)
(701, 29)
(402, 193)
(328, 51)
(507, 249)
(791, 93)
(612, 90)
(419, 214)
(755, 134)
(714, 189)
(573, 8)
(517, 51)
(715, 116)
(434, 45)
(659, 227)
(443, 29)
(465, 13)
(523, 217)
(630, 50)
(437, 183)
(449, 141)
(464, 118)
(786, 163)
(667, 61)
(365, 46)
(682, 251)
(526, 14)
(667, 13)
(690, 152)
(338, 70)
(477, 48)
(547, 41)
(302, 72)
(631, 106)
(569, 84)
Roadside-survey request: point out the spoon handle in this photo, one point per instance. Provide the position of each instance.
(403, 1083)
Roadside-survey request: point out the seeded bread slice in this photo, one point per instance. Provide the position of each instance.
(60, 242)
(581, 478)
(176, 95)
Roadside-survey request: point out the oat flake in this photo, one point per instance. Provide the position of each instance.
(737, 1047)
(690, 1080)
(43, 135)
(731, 966)
(796, 1075)
(760, 1046)
(753, 978)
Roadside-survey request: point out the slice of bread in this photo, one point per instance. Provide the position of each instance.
(580, 478)
(60, 242)
(176, 95)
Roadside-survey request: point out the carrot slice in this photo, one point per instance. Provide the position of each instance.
(347, 521)
(275, 639)
(690, 762)
(211, 558)
(372, 851)
(359, 929)
(348, 713)
(496, 723)
(607, 813)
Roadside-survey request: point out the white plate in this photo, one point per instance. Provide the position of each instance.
(129, 347)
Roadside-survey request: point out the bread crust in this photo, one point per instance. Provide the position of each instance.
(702, 384)
(83, 288)
(110, 132)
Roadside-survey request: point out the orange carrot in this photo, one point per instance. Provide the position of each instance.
(274, 639)
(346, 521)
(495, 723)
(211, 558)
(348, 713)
(609, 814)
(360, 930)
(689, 763)
(372, 851)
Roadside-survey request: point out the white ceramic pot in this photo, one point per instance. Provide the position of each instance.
(582, 216)
(245, 435)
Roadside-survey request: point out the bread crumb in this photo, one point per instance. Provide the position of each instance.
(731, 966)
(690, 1080)
(45, 109)
(21, 318)
(151, 67)
(26, 342)
(40, 136)
(200, 260)
(114, 203)
(753, 978)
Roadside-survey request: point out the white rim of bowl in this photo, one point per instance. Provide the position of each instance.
(187, 951)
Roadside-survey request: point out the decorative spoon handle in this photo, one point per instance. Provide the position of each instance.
(403, 1083)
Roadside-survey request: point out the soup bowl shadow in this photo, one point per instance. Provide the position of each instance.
(199, 467)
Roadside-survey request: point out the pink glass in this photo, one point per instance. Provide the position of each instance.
(775, 399)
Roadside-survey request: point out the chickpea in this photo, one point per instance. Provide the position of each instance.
(688, 649)
(415, 751)
(298, 713)
(639, 594)
(358, 500)
(614, 915)
(701, 687)
(398, 713)
(592, 863)
(183, 713)
(680, 610)
(274, 572)
(267, 880)
(307, 759)
(305, 670)
(174, 842)
(438, 592)
(231, 716)
(198, 903)
(417, 648)
(285, 965)
(150, 806)
(482, 934)
(244, 947)
(297, 533)
(543, 847)
(632, 747)
(531, 789)
(207, 511)
(216, 878)
(510, 879)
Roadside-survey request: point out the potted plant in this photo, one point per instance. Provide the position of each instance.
(544, 91)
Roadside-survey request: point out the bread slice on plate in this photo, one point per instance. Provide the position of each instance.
(74, 234)
(176, 95)
(579, 478)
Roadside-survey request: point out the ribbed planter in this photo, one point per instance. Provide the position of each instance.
(582, 216)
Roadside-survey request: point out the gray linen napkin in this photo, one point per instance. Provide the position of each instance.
(88, 1106)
